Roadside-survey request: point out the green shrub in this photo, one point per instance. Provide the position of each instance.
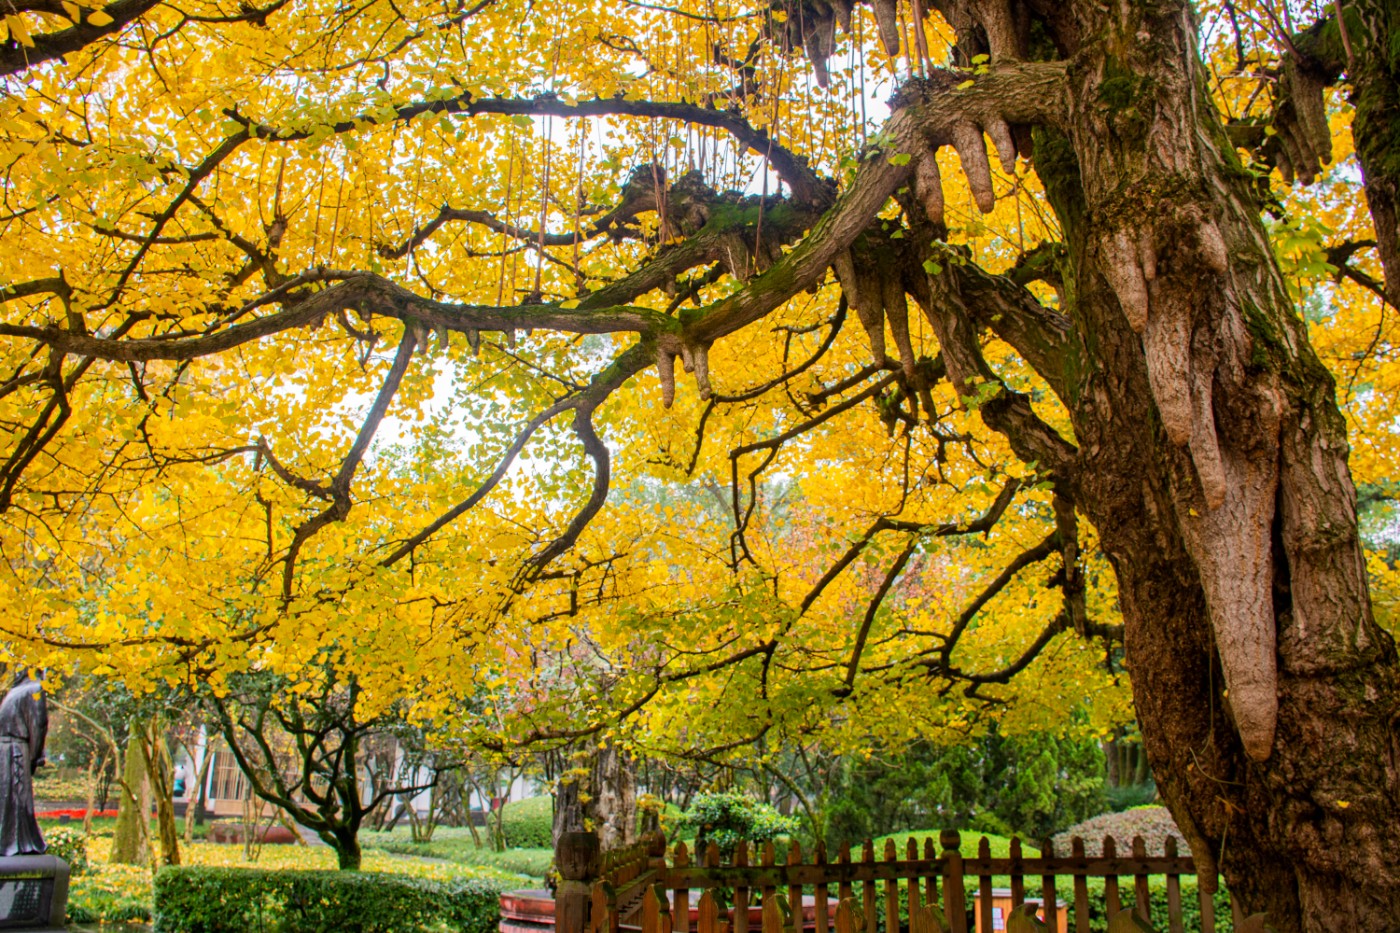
(1157, 887)
(529, 823)
(728, 819)
(69, 845)
(243, 900)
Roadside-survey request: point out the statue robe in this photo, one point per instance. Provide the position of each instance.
(24, 724)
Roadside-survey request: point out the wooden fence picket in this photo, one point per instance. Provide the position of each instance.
(1112, 904)
(707, 920)
(954, 896)
(740, 923)
(891, 891)
(639, 884)
(598, 909)
(772, 914)
(1018, 883)
(1175, 924)
(1081, 888)
(984, 887)
(680, 900)
(845, 920)
(651, 911)
(769, 893)
(843, 889)
(931, 879)
(1049, 896)
(911, 853)
(1142, 895)
(794, 891)
(872, 920)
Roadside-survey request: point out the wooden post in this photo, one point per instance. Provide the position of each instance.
(1174, 921)
(819, 891)
(1081, 889)
(577, 858)
(954, 897)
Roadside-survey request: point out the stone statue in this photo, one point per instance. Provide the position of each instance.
(24, 723)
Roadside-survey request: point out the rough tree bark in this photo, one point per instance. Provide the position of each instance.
(598, 795)
(130, 837)
(1213, 460)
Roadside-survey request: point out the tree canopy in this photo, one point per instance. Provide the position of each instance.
(350, 330)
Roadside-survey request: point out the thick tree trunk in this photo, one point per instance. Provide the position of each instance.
(161, 781)
(599, 795)
(130, 837)
(1214, 464)
(614, 797)
(346, 842)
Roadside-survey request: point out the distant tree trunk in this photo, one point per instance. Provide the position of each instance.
(95, 768)
(161, 783)
(130, 837)
(197, 801)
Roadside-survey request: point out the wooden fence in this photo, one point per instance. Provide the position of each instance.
(640, 888)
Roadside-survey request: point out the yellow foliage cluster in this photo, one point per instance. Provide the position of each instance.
(173, 180)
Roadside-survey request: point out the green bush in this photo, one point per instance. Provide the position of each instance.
(69, 845)
(529, 823)
(243, 900)
(728, 819)
(1157, 887)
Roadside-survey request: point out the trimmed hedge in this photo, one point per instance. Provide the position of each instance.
(193, 899)
(529, 823)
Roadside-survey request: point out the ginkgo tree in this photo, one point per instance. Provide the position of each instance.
(358, 325)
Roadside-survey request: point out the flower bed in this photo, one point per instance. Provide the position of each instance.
(74, 814)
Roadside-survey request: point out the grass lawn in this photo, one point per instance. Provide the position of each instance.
(454, 844)
(1001, 845)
